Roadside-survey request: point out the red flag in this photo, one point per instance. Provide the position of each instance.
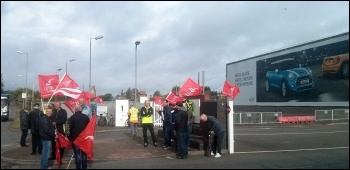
(99, 100)
(47, 85)
(71, 103)
(86, 95)
(58, 154)
(158, 100)
(64, 141)
(172, 98)
(230, 90)
(190, 88)
(68, 87)
(85, 141)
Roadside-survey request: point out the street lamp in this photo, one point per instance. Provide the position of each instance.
(66, 63)
(136, 43)
(96, 38)
(58, 70)
(20, 52)
(19, 75)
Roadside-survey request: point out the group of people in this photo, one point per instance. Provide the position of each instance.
(177, 126)
(46, 123)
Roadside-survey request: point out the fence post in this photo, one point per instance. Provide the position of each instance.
(261, 118)
(240, 118)
(332, 115)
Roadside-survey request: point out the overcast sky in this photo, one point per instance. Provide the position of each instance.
(178, 39)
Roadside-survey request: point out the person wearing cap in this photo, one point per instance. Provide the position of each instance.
(133, 119)
(34, 116)
(214, 127)
(147, 123)
(181, 129)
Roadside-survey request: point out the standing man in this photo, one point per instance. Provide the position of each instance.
(190, 110)
(147, 123)
(85, 108)
(58, 119)
(34, 116)
(133, 119)
(181, 129)
(24, 123)
(167, 124)
(214, 127)
(47, 134)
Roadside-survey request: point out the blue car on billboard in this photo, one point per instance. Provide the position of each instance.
(288, 76)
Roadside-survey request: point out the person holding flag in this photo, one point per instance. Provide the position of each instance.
(77, 123)
(47, 134)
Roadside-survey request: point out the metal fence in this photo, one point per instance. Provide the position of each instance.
(335, 114)
(256, 117)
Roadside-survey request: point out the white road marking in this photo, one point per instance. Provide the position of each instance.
(296, 150)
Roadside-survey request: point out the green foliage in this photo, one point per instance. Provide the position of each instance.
(128, 93)
(106, 97)
(157, 93)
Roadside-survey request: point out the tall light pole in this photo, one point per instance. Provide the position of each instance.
(25, 101)
(136, 43)
(19, 75)
(71, 60)
(96, 38)
(56, 71)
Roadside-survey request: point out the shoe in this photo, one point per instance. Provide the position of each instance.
(24, 145)
(155, 144)
(33, 153)
(212, 153)
(180, 157)
(217, 155)
(164, 146)
(145, 145)
(168, 147)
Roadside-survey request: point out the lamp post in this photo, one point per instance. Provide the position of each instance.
(136, 43)
(58, 70)
(20, 52)
(19, 75)
(71, 60)
(96, 38)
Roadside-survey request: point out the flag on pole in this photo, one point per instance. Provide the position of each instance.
(190, 88)
(68, 87)
(47, 85)
(230, 90)
(64, 141)
(99, 100)
(58, 154)
(158, 100)
(71, 103)
(172, 98)
(85, 141)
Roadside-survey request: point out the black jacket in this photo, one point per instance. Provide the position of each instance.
(33, 121)
(24, 120)
(46, 129)
(77, 123)
(167, 116)
(213, 124)
(181, 120)
(60, 118)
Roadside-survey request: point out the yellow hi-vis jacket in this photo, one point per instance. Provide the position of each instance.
(133, 115)
(146, 114)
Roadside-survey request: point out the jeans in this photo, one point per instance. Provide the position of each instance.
(181, 140)
(217, 143)
(44, 163)
(133, 128)
(188, 135)
(80, 157)
(23, 137)
(167, 135)
(148, 126)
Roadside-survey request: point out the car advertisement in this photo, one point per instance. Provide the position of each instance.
(311, 74)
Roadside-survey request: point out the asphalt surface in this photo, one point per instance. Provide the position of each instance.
(266, 146)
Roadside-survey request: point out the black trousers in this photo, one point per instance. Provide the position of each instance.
(148, 126)
(36, 143)
(23, 137)
(217, 143)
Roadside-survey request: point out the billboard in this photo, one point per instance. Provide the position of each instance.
(310, 74)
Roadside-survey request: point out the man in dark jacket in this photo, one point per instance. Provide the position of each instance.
(58, 119)
(33, 124)
(214, 127)
(47, 133)
(77, 123)
(24, 123)
(181, 129)
(167, 123)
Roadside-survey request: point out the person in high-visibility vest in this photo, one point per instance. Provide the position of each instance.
(147, 123)
(190, 110)
(133, 119)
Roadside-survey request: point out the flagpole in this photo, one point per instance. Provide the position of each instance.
(56, 88)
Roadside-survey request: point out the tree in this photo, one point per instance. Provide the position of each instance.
(175, 89)
(128, 94)
(157, 93)
(207, 90)
(106, 97)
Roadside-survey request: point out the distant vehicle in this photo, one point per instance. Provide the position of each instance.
(288, 76)
(5, 107)
(338, 64)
